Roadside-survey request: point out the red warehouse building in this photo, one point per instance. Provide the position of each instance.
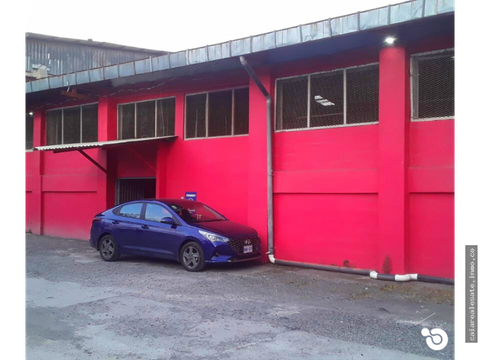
(361, 152)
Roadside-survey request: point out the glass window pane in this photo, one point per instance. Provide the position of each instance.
(326, 99)
(71, 125)
(127, 121)
(196, 105)
(131, 210)
(241, 117)
(90, 123)
(220, 113)
(29, 132)
(156, 213)
(54, 127)
(166, 117)
(146, 119)
(292, 98)
(362, 95)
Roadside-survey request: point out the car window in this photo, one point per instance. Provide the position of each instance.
(131, 210)
(156, 213)
(193, 211)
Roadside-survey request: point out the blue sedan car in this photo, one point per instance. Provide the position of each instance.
(183, 230)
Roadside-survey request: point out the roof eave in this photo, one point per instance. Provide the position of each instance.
(382, 17)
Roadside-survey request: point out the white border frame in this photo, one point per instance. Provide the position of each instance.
(232, 89)
(344, 70)
(412, 105)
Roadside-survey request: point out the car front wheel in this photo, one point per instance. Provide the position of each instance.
(191, 257)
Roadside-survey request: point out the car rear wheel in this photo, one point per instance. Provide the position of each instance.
(108, 248)
(191, 257)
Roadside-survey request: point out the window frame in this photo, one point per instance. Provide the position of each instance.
(120, 118)
(232, 89)
(309, 75)
(63, 128)
(413, 87)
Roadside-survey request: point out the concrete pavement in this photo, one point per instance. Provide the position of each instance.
(80, 307)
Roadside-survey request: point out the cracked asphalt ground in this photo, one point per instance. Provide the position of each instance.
(80, 307)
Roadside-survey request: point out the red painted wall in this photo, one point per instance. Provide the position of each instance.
(29, 208)
(325, 185)
(70, 194)
(431, 179)
(342, 196)
(216, 169)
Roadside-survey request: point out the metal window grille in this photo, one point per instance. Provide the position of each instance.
(71, 125)
(127, 121)
(241, 111)
(196, 115)
(29, 132)
(292, 103)
(90, 123)
(54, 127)
(362, 85)
(166, 117)
(146, 119)
(129, 189)
(219, 113)
(340, 97)
(76, 124)
(433, 85)
(326, 99)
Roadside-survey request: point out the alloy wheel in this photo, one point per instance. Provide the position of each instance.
(107, 248)
(191, 257)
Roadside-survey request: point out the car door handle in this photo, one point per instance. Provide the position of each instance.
(145, 227)
(115, 222)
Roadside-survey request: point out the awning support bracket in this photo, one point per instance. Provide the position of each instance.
(92, 160)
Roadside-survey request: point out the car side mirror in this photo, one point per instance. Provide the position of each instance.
(167, 220)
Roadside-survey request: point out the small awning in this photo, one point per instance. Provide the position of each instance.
(102, 144)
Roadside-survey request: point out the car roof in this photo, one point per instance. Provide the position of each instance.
(167, 201)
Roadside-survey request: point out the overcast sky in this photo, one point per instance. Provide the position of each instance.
(177, 25)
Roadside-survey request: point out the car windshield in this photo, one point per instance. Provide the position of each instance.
(194, 212)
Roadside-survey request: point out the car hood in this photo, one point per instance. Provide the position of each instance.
(227, 228)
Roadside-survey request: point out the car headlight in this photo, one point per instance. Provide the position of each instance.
(213, 237)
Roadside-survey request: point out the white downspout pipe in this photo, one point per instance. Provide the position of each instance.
(268, 99)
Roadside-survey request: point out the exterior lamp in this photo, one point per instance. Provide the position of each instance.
(390, 40)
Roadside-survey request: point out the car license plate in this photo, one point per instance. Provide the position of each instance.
(247, 249)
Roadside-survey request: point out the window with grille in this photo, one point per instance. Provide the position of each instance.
(146, 119)
(78, 124)
(219, 113)
(334, 98)
(433, 85)
(29, 132)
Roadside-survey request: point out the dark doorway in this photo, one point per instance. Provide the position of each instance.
(134, 189)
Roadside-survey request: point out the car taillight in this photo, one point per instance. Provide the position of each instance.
(95, 220)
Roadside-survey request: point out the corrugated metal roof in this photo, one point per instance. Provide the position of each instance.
(361, 21)
(62, 56)
(101, 44)
(102, 144)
